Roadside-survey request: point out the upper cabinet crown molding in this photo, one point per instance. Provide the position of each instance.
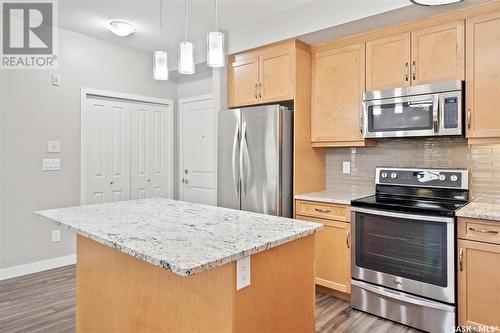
(422, 56)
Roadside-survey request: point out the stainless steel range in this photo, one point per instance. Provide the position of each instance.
(403, 258)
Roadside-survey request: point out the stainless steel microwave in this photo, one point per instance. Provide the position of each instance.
(424, 110)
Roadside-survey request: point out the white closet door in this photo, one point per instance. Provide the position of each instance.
(150, 144)
(107, 145)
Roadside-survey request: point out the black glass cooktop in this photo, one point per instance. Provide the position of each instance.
(412, 200)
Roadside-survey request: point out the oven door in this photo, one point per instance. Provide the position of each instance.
(401, 117)
(411, 253)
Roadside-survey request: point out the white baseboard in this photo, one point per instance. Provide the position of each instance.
(38, 266)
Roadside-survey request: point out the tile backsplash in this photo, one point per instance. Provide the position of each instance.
(482, 161)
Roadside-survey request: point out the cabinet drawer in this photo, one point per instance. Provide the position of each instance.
(479, 230)
(323, 210)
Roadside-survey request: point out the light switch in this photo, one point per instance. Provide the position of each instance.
(53, 146)
(56, 79)
(51, 164)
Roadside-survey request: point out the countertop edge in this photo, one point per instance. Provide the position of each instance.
(189, 270)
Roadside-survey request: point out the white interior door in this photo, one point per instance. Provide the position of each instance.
(150, 151)
(107, 147)
(197, 150)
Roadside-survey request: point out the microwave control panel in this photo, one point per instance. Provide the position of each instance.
(450, 112)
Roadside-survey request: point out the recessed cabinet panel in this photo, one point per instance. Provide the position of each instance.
(332, 254)
(243, 81)
(337, 87)
(478, 284)
(276, 77)
(388, 62)
(483, 76)
(438, 53)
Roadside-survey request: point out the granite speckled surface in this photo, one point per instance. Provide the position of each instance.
(342, 194)
(483, 206)
(181, 237)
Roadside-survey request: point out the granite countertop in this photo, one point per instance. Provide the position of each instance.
(483, 206)
(181, 237)
(341, 194)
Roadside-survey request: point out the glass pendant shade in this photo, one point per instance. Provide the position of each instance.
(186, 58)
(216, 56)
(160, 65)
(434, 2)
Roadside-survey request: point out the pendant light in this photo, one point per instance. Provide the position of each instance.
(186, 49)
(160, 57)
(434, 2)
(216, 56)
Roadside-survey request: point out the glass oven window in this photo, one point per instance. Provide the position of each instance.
(407, 116)
(411, 249)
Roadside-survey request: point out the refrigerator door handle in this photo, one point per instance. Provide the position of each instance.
(244, 167)
(233, 161)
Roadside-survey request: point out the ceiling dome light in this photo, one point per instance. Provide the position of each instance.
(121, 28)
(434, 2)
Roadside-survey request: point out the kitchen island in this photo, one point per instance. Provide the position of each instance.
(160, 265)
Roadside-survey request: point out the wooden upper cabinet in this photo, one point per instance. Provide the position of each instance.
(263, 75)
(478, 283)
(243, 81)
(276, 76)
(388, 62)
(421, 56)
(483, 78)
(438, 53)
(338, 82)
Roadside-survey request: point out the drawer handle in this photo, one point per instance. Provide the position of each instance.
(322, 210)
(484, 231)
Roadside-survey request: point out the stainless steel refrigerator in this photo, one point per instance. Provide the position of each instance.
(254, 170)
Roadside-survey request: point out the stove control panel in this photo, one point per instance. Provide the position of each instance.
(444, 178)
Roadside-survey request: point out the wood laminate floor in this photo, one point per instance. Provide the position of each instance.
(45, 302)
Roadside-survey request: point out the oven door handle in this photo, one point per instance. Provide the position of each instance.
(403, 297)
(406, 216)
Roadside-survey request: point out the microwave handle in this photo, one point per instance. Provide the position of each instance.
(436, 109)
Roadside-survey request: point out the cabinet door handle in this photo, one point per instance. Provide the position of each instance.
(255, 91)
(484, 231)
(407, 76)
(414, 70)
(469, 121)
(348, 239)
(361, 123)
(322, 210)
(461, 259)
(260, 90)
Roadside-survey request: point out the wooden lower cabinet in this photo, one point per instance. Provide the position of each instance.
(332, 254)
(478, 279)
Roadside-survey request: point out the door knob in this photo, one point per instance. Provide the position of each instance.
(186, 171)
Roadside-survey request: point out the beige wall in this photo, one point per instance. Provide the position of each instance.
(482, 161)
(33, 112)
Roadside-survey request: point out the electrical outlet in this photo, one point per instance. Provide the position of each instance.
(56, 235)
(243, 273)
(51, 164)
(346, 167)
